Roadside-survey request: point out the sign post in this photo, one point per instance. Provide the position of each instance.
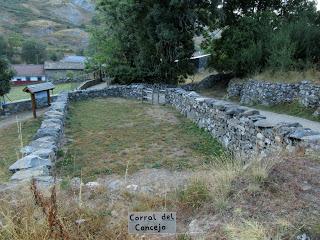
(37, 91)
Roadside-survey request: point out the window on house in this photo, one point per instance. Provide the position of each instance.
(28, 78)
(39, 78)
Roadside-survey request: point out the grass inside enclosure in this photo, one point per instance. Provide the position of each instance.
(10, 144)
(107, 135)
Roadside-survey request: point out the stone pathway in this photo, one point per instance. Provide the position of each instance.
(9, 120)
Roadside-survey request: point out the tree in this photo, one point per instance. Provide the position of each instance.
(5, 48)
(33, 52)
(266, 34)
(243, 48)
(234, 10)
(149, 41)
(6, 74)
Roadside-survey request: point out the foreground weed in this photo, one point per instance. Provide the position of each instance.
(246, 230)
(258, 170)
(50, 210)
(195, 194)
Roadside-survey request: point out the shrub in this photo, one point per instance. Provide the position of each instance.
(247, 230)
(6, 73)
(213, 184)
(195, 195)
(281, 51)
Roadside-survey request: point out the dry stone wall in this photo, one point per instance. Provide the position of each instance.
(40, 154)
(23, 105)
(241, 130)
(256, 92)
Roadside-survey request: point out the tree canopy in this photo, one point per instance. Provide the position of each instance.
(148, 41)
(33, 52)
(6, 73)
(152, 41)
(266, 35)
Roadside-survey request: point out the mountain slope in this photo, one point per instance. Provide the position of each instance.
(59, 23)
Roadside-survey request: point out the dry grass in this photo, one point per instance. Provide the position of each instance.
(312, 75)
(104, 216)
(219, 179)
(258, 170)
(124, 131)
(247, 230)
(55, 214)
(214, 186)
(241, 229)
(11, 143)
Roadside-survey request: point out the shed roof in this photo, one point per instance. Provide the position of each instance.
(29, 70)
(63, 66)
(39, 87)
(74, 59)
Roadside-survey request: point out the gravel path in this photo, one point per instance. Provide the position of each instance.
(277, 118)
(7, 121)
(99, 86)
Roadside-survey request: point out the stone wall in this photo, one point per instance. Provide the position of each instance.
(309, 94)
(23, 105)
(256, 92)
(40, 154)
(243, 131)
(208, 82)
(132, 91)
(88, 84)
(60, 76)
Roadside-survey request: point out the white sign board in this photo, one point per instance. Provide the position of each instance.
(152, 222)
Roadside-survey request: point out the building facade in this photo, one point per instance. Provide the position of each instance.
(28, 74)
(59, 72)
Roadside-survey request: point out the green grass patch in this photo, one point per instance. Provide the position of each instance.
(109, 134)
(10, 144)
(293, 109)
(16, 92)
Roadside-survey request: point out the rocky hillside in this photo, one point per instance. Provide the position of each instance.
(59, 23)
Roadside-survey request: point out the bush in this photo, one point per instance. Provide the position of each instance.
(6, 73)
(195, 195)
(281, 51)
(242, 49)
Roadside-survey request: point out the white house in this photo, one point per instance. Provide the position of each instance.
(28, 73)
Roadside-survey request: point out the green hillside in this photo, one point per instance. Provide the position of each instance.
(54, 22)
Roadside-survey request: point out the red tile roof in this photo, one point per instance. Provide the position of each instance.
(29, 70)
